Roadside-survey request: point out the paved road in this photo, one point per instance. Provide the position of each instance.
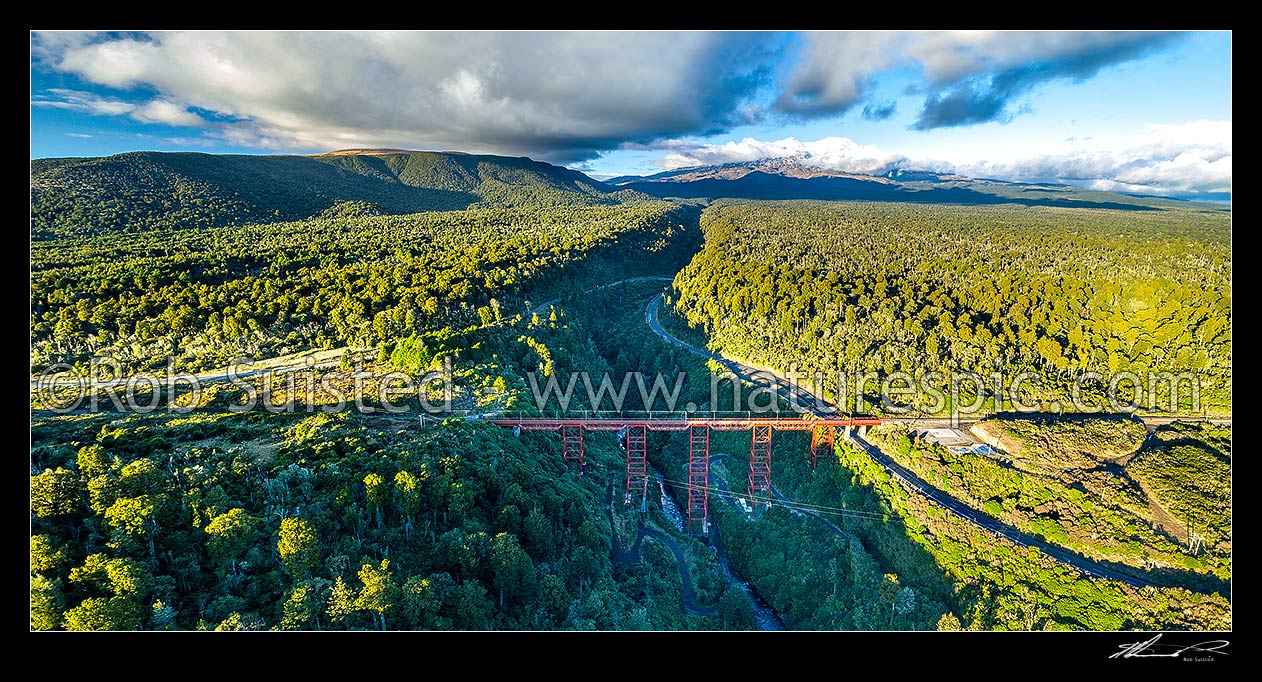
(649, 278)
(967, 513)
(896, 470)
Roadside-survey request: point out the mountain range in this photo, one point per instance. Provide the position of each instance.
(139, 191)
(799, 178)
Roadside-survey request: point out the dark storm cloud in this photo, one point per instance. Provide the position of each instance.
(988, 97)
(555, 96)
(971, 76)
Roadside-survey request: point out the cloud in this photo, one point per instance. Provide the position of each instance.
(1048, 57)
(1184, 159)
(835, 70)
(159, 110)
(567, 96)
(837, 153)
(969, 76)
(1179, 160)
(560, 96)
(880, 112)
(74, 100)
(78, 135)
(166, 112)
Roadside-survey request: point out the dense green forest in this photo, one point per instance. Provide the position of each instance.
(326, 522)
(346, 521)
(900, 562)
(143, 191)
(1000, 585)
(350, 521)
(206, 297)
(1095, 507)
(884, 287)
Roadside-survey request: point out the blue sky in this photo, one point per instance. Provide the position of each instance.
(1144, 112)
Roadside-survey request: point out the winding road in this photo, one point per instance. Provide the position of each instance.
(797, 395)
(819, 407)
(647, 278)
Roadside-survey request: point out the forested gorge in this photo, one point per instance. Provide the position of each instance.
(206, 297)
(883, 287)
(335, 521)
(347, 521)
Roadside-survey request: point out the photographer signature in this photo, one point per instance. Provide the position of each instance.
(1152, 649)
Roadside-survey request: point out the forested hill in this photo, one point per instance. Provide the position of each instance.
(141, 191)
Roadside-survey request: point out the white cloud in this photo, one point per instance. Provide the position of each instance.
(87, 102)
(1181, 159)
(159, 110)
(837, 153)
(166, 112)
(1187, 158)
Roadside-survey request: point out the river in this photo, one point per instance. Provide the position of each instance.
(764, 615)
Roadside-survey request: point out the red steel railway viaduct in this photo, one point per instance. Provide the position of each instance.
(634, 434)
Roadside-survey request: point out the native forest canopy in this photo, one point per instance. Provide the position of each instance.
(868, 286)
(290, 517)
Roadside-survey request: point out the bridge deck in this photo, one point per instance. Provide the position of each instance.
(677, 424)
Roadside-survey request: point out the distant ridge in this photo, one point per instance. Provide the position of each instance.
(140, 191)
(800, 178)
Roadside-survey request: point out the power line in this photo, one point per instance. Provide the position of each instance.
(794, 506)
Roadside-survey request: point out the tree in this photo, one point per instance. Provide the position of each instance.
(47, 603)
(423, 600)
(905, 602)
(297, 547)
(948, 621)
(92, 461)
(163, 616)
(472, 607)
(537, 531)
(54, 493)
(341, 601)
(735, 611)
(513, 572)
(131, 515)
(46, 556)
(407, 495)
(229, 536)
(377, 493)
(379, 592)
(98, 613)
(584, 567)
(140, 477)
(304, 604)
(554, 597)
(125, 579)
